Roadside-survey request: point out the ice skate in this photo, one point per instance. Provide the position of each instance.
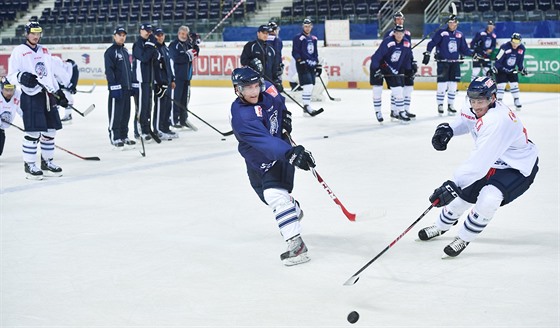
(451, 110)
(32, 172)
(129, 144)
(410, 115)
(517, 104)
(118, 144)
(50, 168)
(296, 253)
(403, 117)
(379, 117)
(440, 109)
(147, 138)
(430, 232)
(455, 248)
(394, 116)
(164, 136)
(67, 119)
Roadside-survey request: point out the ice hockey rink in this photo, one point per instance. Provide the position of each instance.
(179, 239)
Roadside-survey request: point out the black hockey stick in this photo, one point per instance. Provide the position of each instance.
(350, 216)
(87, 91)
(92, 158)
(139, 128)
(327, 91)
(178, 104)
(83, 114)
(315, 113)
(352, 280)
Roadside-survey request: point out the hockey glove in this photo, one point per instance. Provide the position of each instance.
(476, 57)
(301, 158)
(441, 137)
(445, 194)
(160, 90)
(414, 67)
(61, 99)
(192, 53)
(287, 121)
(115, 91)
(278, 85)
(311, 63)
(494, 70)
(318, 69)
(426, 58)
(524, 72)
(256, 64)
(151, 42)
(378, 74)
(28, 80)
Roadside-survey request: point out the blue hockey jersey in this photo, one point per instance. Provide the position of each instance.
(304, 48)
(507, 58)
(395, 56)
(449, 45)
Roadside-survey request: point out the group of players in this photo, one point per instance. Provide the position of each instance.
(502, 165)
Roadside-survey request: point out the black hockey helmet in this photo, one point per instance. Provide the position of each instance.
(307, 21)
(245, 75)
(5, 84)
(482, 87)
(398, 14)
(273, 25)
(516, 38)
(33, 27)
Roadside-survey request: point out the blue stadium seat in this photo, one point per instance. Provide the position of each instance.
(484, 5)
(489, 15)
(544, 5)
(514, 5)
(323, 11)
(551, 15)
(298, 12)
(374, 8)
(529, 5)
(469, 6)
(535, 15)
(361, 8)
(311, 12)
(499, 5)
(286, 12)
(519, 16)
(505, 16)
(348, 9)
(336, 11)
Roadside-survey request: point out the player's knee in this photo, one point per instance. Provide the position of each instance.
(489, 200)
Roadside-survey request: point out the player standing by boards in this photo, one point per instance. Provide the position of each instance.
(120, 79)
(9, 106)
(409, 74)
(259, 118)
(275, 42)
(306, 55)
(500, 168)
(162, 93)
(32, 65)
(390, 61)
(483, 43)
(510, 57)
(260, 56)
(450, 44)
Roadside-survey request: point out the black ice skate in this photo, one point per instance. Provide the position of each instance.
(410, 115)
(118, 144)
(430, 232)
(440, 109)
(50, 169)
(66, 119)
(451, 110)
(517, 104)
(32, 172)
(403, 117)
(456, 247)
(379, 117)
(296, 253)
(394, 116)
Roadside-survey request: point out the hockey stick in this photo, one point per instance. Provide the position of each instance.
(543, 72)
(83, 114)
(87, 91)
(315, 113)
(223, 20)
(139, 128)
(178, 104)
(327, 91)
(352, 280)
(349, 216)
(92, 158)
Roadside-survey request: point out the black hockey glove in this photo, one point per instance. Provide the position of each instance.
(445, 194)
(524, 72)
(256, 64)
(28, 80)
(278, 85)
(476, 57)
(115, 91)
(494, 70)
(378, 74)
(151, 41)
(287, 121)
(318, 69)
(160, 90)
(441, 137)
(426, 58)
(414, 67)
(301, 158)
(61, 99)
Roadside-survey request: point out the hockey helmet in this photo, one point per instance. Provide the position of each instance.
(516, 38)
(33, 27)
(482, 87)
(307, 21)
(452, 19)
(273, 25)
(5, 84)
(398, 14)
(243, 76)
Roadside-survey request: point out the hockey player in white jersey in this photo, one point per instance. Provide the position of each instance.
(9, 106)
(67, 76)
(32, 65)
(501, 167)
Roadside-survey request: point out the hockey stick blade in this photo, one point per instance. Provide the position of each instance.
(89, 109)
(350, 216)
(156, 138)
(327, 91)
(87, 91)
(316, 112)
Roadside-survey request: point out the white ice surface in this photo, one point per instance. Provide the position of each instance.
(179, 238)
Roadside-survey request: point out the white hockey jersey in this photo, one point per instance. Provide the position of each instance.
(8, 109)
(501, 142)
(38, 61)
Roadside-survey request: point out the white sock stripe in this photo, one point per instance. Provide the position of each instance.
(473, 226)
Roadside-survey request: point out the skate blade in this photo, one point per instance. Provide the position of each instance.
(33, 177)
(301, 258)
(52, 174)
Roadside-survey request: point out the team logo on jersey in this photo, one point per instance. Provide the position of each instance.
(40, 69)
(452, 46)
(520, 51)
(511, 61)
(258, 110)
(271, 90)
(85, 59)
(459, 35)
(274, 123)
(310, 48)
(395, 56)
(488, 43)
(478, 124)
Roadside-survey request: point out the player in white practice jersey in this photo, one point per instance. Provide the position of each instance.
(67, 77)
(33, 66)
(9, 106)
(501, 167)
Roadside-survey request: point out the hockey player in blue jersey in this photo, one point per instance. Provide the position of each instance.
(398, 19)
(449, 44)
(483, 43)
(510, 57)
(259, 118)
(391, 60)
(276, 43)
(304, 51)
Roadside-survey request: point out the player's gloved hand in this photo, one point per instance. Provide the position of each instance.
(160, 89)
(115, 91)
(318, 69)
(445, 194)
(28, 80)
(61, 99)
(192, 53)
(414, 67)
(494, 70)
(287, 121)
(426, 58)
(257, 65)
(301, 158)
(409, 73)
(311, 63)
(278, 85)
(151, 41)
(441, 137)
(378, 74)
(524, 72)
(476, 56)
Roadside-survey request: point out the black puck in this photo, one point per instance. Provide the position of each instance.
(325, 137)
(353, 317)
(223, 139)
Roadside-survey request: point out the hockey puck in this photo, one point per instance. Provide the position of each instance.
(325, 137)
(353, 317)
(223, 139)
